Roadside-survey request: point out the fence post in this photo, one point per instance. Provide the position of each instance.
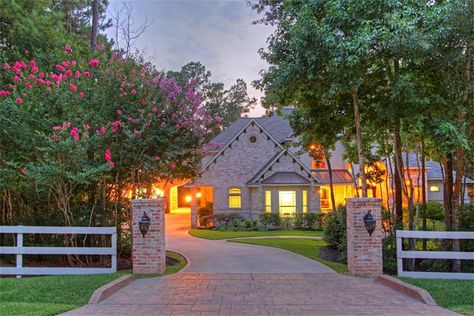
(114, 255)
(399, 253)
(19, 254)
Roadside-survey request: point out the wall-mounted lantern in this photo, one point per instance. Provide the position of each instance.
(369, 222)
(144, 224)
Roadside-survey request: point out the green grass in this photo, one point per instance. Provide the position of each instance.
(50, 295)
(456, 295)
(309, 248)
(216, 234)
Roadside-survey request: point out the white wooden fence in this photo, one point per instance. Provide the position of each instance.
(19, 250)
(453, 255)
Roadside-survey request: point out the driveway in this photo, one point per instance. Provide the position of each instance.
(233, 279)
(224, 257)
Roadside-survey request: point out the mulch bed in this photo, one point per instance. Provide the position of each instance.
(330, 254)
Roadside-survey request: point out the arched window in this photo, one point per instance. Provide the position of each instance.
(235, 198)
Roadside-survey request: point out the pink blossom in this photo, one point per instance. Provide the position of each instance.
(28, 86)
(103, 130)
(60, 68)
(173, 166)
(68, 49)
(94, 63)
(31, 76)
(73, 63)
(111, 164)
(19, 100)
(66, 124)
(73, 131)
(119, 112)
(100, 46)
(34, 70)
(56, 137)
(75, 137)
(133, 91)
(17, 79)
(77, 74)
(6, 66)
(22, 171)
(143, 101)
(4, 92)
(115, 126)
(81, 94)
(137, 134)
(69, 72)
(87, 126)
(72, 87)
(16, 69)
(41, 75)
(130, 119)
(32, 63)
(108, 155)
(57, 128)
(23, 64)
(157, 158)
(177, 126)
(86, 74)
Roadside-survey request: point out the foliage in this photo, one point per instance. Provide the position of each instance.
(335, 230)
(308, 221)
(204, 214)
(309, 248)
(271, 220)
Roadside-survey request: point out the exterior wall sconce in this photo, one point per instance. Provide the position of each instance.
(144, 224)
(369, 222)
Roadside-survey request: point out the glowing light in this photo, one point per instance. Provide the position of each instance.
(159, 193)
(198, 195)
(312, 147)
(188, 198)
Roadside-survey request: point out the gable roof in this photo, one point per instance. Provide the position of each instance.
(286, 178)
(255, 179)
(236, 135)
(278, 127)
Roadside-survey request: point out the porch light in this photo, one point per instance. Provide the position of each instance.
(369, 222)
(198, 195)
(144, 224)
(187, 198)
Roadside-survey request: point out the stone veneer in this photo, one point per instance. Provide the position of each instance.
(364, 252)
(149, 252)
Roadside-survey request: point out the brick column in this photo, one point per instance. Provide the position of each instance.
(364, 252)
(149, 252)
(194, 215)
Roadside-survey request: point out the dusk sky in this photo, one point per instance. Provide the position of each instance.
(218, 33)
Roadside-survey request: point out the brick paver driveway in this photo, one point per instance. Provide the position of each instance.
(321, 292)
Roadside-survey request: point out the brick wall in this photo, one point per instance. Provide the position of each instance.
(149, 252)
(364, 252)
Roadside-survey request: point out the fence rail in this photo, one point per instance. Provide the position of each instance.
(19, 250)
(452, 255)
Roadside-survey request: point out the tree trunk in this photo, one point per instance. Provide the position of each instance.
(95, 24)
(331, 186)
(423, 186)
(397, 177)
(360, 148)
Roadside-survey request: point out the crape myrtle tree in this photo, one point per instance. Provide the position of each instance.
(229, 104)
(81, 139)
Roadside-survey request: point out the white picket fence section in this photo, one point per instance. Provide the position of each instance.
(402, 254)
(19, 250)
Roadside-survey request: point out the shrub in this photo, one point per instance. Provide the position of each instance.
(205, 215)
(271, 220)
(287, 222)
(227, 219)
(335, 231)
(308, 221)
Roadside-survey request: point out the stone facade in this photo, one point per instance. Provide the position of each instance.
(364, 252)
(149, 252)
(247, 154)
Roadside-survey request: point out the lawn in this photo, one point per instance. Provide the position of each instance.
(456, 295)
(50, 295)
(309, 248)
(217, 234)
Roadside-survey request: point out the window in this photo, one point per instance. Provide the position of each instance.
(268, 201)
(235, 198)
(305, 201)
(434, 188)
(287, 202)
(323, 195)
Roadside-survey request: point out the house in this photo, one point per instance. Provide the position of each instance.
(255, 168)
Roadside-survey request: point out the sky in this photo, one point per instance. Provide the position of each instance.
(218, 33)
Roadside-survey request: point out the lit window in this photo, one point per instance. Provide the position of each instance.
(235, 198)
(434, 188)
(287, 202)
(268, 201)
(323, 195)
(305, 201)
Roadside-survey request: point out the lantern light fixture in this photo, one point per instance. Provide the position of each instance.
(369, 222)
(144, 224)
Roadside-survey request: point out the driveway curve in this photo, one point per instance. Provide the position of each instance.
(220, 256)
